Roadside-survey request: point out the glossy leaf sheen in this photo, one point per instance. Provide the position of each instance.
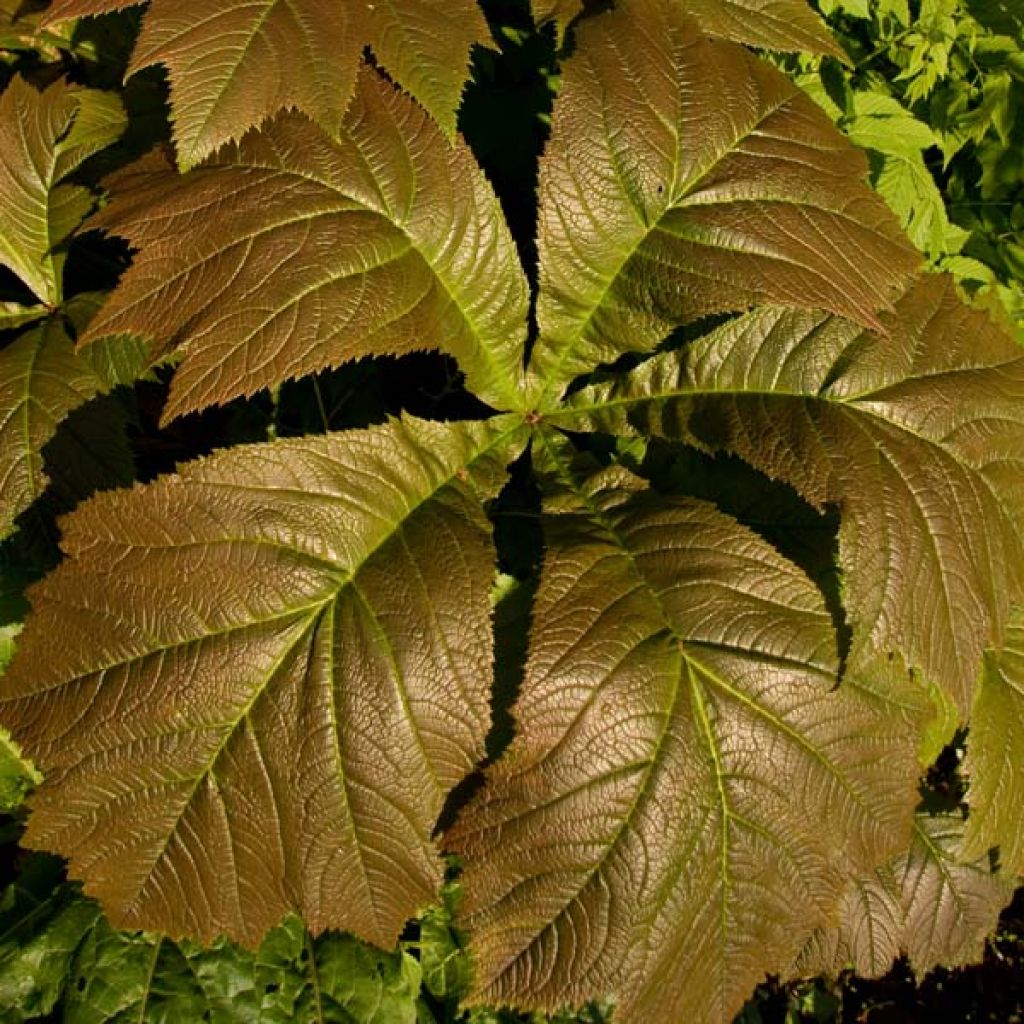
(42, 380)
(292, 253)
(995, 755)
(685, 177)
(926, 904)
(233, 65)
(44, 137)
(686, 786)
(917, 436)
(264, 707)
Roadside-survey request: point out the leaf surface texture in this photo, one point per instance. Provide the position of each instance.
(915, 435)
(926, 904)
(686, 785)
(684, 177)
(291, 253)
(233, 65)
(274, 666)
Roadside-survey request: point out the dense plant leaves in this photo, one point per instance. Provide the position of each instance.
(916, 435)
(44, 137)
(707, 182)
(273, 668)
(42, 380)
(995, 755)
(312, 252)
(925, 904)
(41, 926)
(19, 30)
(17, 314)
(120, 977)
(232, 65)
(687, 788)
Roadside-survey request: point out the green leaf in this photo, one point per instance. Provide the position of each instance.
(131, 978)
(995, 755)
(44, 137)
(264, 708)
(42, 380)
(915, 435)
(688, 789)
(41, 927)
(387, 241)
(708, 183)
(882, 123)
(232, 66)
(907, 185)
(925, 904)
(15, 314)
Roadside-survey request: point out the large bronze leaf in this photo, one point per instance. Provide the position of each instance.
(292, 252)
(44, 137)
(687, 790)
(685, 177)
(271, 670)
(232, 65)
(772, 24)
(917, 435)
(926, 904)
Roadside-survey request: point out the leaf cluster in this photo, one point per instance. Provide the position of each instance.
(637, 540)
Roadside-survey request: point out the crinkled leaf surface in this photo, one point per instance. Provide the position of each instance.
(687, 788)
(273, 668)
(925, 903)
(233, 65)
(685, 177)
(995, 755)
(292, 253)
(916, 435)
(44, 137)
(772, 24)
(42, 380)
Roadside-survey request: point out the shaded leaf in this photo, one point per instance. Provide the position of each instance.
(685, 177)
(264, 708)
(17, 776)
(232, 66)
(315, 252)
(915, 436)
(924, 904)
(41, 927)
(687, 790)
(995, 755)
(42, 380)
(44, 137)
(131, 978)
(14, 314)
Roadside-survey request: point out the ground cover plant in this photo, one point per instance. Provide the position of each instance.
(483, 593)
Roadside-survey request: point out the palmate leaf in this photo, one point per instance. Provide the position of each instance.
(685, 177)
(772, 24)
(273, 668)
(232, 65)
(926, 904)
(44, 137)
(291, 253)
(915, 435)
(687, 789)
(995, 755)
(42, 380)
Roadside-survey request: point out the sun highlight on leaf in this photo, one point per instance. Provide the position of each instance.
(916, 435)
(292, 253)
(232, 65)
(686, 789)
(264, 708)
